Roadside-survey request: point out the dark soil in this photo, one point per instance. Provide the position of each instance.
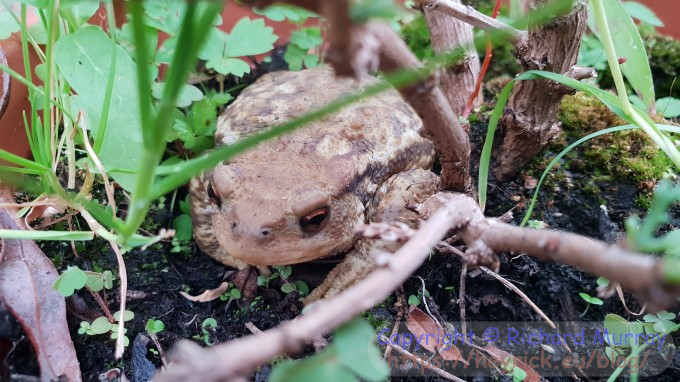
(156, 276)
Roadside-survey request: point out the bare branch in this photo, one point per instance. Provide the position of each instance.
(471, 16)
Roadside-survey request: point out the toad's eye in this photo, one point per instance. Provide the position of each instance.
(214, 195)
(314, 220)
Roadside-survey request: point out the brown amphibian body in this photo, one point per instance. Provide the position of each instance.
(299, 197)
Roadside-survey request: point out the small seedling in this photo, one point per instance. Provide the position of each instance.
(230, 294)
(590, 300)
(413, 300)
(208, 324)
(662, 322)
(514, 371)
(71, 280)
(537, 224)
(101, 325)
(154, 326)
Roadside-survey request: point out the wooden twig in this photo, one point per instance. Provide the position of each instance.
(471, 16)
(421, 362)
(507, 283)
(461, 301)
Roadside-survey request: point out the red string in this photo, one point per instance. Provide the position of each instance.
(485, 66)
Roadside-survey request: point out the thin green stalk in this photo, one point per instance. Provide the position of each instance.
(9, 157)
(24, 31)
(154, 133)
(608, 43)
(104, 117)
(136, 10)
(52, 26)
(46, 235)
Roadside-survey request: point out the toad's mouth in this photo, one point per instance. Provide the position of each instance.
(275, 254)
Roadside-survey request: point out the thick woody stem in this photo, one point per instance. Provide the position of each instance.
(457, 82)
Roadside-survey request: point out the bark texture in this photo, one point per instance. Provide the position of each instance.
(530, 119)
(458, 81)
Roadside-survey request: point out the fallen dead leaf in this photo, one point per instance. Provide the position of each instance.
(245, 280)
(208, 295)
(420, 324)
(501, 356)
(26, 279)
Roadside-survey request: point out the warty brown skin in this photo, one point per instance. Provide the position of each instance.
(251, 211)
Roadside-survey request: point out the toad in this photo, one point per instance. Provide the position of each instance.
(299, 197)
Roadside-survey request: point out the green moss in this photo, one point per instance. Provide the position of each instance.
(628, 156)
(417, 37)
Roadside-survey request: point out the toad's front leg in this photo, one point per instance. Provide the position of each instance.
(390, 205)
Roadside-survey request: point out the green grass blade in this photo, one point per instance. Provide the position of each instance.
(629, 44)
(136, 11)
(485, 159)
(103, 120)
(46, 235)
(13, 158)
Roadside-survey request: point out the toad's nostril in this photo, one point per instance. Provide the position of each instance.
(266, 233)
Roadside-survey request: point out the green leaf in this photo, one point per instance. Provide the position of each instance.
(154, 326)
(643, 13)
(165, 15)
(669, 107)
(166, 51)
(183, 227)
(295, 57)
(249, 37)
(126, 40)
(585, 296)
(101, 325)
(95, 281)
(280, 12)
(307, 38)
(357, 350)
(650, 318)
(615, 325)
(288, 288)
(628, 44)
(596, 301)
(319, 367)
(185, 205)
(601, 281)
(518, 375)
(209, 323)
(302, 287)
(70, 281)
(413, 300)
(82, 10)
(186, 97)
(126, 317)
(202, 116)
(7, 25)
(84, 59)
(663, 326)
(107, 276)
(286, 271)
(226, 66)
(663, 315)
(214, 45)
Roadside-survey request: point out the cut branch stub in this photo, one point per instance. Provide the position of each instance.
(530, 119)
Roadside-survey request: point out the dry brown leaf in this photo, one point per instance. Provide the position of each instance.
(208, 295)
(501, 356)
(422, 325)
(245, 280)
(26, 279)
